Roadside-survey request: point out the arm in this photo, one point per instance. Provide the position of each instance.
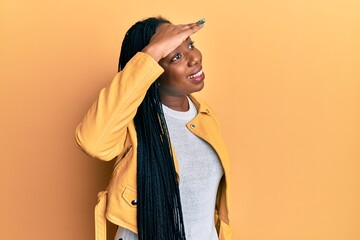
(103, 130)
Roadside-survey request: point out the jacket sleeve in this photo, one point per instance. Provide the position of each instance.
(103, 130)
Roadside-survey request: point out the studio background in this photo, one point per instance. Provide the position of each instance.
(282, 76)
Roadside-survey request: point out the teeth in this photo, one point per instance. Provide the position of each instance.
(196, 74)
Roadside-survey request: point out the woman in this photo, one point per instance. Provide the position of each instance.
(171, 172)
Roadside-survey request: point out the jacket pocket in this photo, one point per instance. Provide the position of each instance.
(130, 196)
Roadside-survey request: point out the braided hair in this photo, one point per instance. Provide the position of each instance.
(159, 214)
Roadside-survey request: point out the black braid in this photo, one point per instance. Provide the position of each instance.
(159, 213)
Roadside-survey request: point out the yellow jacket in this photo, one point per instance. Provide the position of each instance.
(108, 132)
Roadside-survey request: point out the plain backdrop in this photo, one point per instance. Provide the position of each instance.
(283, 77)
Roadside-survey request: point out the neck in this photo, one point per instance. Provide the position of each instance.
(177, 103)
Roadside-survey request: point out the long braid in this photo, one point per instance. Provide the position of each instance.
(159, 212)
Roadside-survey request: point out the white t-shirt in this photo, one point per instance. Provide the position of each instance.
(200, 174)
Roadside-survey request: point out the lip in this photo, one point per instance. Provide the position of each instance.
(197, 79)
(196, 71)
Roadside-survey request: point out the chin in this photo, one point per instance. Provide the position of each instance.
(199, 87)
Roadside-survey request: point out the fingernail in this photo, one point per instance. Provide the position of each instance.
(201, 21)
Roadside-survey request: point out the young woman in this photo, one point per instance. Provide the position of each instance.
(171, 175)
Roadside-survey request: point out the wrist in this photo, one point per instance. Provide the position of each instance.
(152, 52)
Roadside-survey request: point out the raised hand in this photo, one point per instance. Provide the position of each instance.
(168, 37)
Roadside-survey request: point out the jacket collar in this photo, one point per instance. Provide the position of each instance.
(202, 108)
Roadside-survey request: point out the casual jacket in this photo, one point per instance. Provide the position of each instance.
(108, 132)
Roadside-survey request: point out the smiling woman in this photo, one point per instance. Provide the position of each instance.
(182, 75)
(172, 167)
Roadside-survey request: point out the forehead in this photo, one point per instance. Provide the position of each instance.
(162, 25)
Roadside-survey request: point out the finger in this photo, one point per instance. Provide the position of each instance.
(200, 22)
(190, 26)
(194, 27)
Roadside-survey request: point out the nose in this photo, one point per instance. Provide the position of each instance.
(194, 58)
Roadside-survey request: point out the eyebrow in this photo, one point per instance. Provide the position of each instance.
(173, 52)
(188, 38)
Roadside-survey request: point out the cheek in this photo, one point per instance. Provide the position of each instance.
(162, 79)
(173, 75)
(166, 78)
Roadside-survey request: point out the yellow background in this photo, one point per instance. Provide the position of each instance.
(283, 77)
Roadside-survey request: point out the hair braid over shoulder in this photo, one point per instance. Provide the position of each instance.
(159, 212)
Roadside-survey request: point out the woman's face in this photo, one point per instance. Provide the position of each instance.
(183, 70)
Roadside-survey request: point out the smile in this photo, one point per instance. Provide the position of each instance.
(196, 74)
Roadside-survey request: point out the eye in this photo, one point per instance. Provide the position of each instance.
(191, 45)
(176, 57)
